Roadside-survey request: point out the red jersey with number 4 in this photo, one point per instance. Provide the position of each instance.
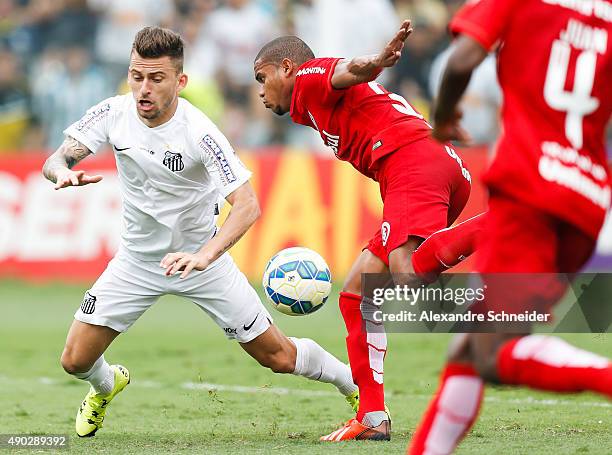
(361, 124)
(555, 69)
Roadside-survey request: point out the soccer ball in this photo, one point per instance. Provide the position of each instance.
(297, 281)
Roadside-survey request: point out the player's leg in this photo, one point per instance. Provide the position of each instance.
(455, 405)
(83, 355)
(299, 356)
(446, 248)
(224, 293)
(366, 351)
(273, 350)
(112, 305)
(541, 362)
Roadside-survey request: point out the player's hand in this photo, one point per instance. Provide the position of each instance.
(393, 50)
(451, 130)
(65, 178)
(184, 262)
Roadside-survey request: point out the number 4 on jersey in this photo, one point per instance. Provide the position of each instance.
(577, 103)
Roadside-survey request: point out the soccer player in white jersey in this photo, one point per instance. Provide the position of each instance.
(173, 165)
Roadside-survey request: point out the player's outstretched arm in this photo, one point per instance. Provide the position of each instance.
(58, 167)
(464, 59)
(367, 68)
(245, 211)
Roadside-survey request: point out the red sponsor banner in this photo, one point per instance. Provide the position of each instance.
(306, 200)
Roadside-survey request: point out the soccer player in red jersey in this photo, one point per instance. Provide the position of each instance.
(424, 186)
(549, 191)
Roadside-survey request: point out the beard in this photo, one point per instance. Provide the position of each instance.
(156, 113)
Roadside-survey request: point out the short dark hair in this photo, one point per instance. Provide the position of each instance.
(285, 47)
(155, 42)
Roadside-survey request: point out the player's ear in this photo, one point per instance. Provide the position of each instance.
(287, 66)
(182, 81)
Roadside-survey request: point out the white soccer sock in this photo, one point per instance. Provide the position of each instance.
(314, 362)
(101, 376)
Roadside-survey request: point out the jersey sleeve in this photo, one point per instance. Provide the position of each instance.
(484, 20)
(223, 165)
(313, 86)
(92, 129)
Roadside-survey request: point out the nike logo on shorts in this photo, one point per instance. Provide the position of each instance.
(248, 327)
(121, 150)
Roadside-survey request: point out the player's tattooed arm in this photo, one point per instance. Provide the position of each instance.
(367, 68)
(58, 167)
(245, 211)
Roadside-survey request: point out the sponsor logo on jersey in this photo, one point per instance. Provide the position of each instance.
(385, 230)
(313, 70)
(377, 145)
(174, 161)
(567, 167)
(93, 117)
(217, 152)
(89, 303)
(601, 9)
(332, 141)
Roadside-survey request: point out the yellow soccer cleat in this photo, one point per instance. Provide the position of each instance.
(90, 416)
(353, 400)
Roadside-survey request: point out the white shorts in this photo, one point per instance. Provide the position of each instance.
(128, 287)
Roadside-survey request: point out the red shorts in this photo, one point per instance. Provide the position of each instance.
(521, 252)
(424, 187)
(518, 238)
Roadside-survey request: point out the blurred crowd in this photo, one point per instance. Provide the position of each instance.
(59, 57)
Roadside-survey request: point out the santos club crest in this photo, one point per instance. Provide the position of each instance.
(174, 161)
(89, 303)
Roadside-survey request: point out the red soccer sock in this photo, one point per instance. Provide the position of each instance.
(451, 413)
(446, 248)
(366, 353)
(549, 363)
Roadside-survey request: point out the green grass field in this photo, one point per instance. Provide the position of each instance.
(175, 353)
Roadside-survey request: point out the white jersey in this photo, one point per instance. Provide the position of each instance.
(171, 176)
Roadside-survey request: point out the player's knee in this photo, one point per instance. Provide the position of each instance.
(72, 364)
(400, 262)
(486, 367)
(352, 283)
(403, 273)
(351, 287)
